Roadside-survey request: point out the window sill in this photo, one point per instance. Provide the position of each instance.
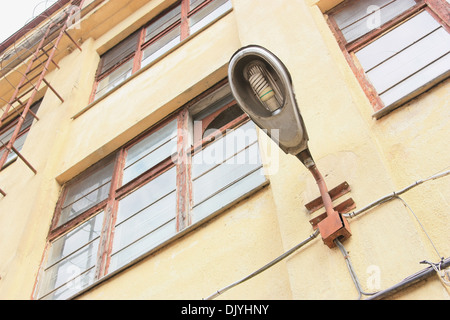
(167, 242)
(140, 71)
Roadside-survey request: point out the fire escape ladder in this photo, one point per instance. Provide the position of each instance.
(33, 82)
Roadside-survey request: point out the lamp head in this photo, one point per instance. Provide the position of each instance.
(262, 86)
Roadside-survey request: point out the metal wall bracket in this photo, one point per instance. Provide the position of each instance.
(332, 225)
(334, 193)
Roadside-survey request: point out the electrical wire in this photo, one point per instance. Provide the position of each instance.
(444, 275)
(352, 270)
(423, 228)
(395, 194)
(267, 266)
(353, 214)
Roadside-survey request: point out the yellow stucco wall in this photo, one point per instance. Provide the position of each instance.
(375, 157)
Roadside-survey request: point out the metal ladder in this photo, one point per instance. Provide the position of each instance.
(33, 83)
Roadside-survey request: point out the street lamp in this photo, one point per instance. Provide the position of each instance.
(262, 87)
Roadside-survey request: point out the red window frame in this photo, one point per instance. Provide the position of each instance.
(182, 22)
(185, 150)
(439, 9)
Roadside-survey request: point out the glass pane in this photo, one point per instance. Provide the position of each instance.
(67, 269)
(410, 60)
(72, 259)
(396, 40)
(145, 221)
(229, 196)
(223, 119)
(119, 53)
(161, 46)
(6, 135)
(417, 81)
(163, 23)
(75, 239)
(151, 142)
(225, 174)
(142, 246)
(208, 14)
(357, 18)
(29, 118)
(212, 103)
(195, 3)
(75, 285)
(114, 79)
(150, 151)
(18, 144)
(147, 195)
(87, 190)
(406, 58)
(217, 152)
(86, 202)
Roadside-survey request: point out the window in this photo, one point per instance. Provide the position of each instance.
(225, 159)
(397, 49)
(7, 131)
(195, 163)
(158, 37)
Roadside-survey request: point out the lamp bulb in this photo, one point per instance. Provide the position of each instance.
(260, 85)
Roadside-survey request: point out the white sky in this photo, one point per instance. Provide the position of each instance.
(16, 13)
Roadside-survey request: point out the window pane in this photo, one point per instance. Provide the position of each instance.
(163, 23)
(6, 135)
(208, 14)
(18, 144)
(223, 119)
(147, 195)
(356, 18)
(146, 218)
(142, 246)
(29, 118)
(223, 175)
(396, 40)
(73, 240)
(87, 190)
(74, 286)
(418, 81)
(72, 260)
(145, 221)
(216, 153)
(213, 104)
(150, 151)
(161, 46)
(406, 58)
(118, 53)
(238, 190)
(410, 60)
(114, 79)
(195, 3)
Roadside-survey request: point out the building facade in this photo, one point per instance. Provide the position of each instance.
(130, 172)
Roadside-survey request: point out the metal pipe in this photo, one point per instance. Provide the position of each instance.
(308, 161)
(267, 266)
(326, 199)
(409, 281)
